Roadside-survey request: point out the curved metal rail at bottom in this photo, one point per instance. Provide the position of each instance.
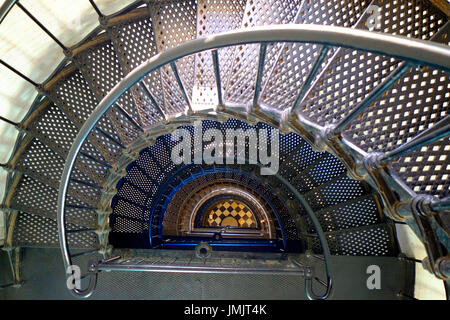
(208, 265)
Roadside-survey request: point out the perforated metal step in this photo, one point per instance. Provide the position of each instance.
(73, 94)
(287, 75)
(101, 69)
(37, 231)
(37, 198)
(134, 40)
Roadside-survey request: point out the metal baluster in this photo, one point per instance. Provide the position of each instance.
(152, 99)
(20, 74)
(99, 13)
(440, 130)
(5, 8)
(107, 136)
(262, 58)
(215, 57)
(59, 43)
(180, 84)
(374, 94)
(15, 124)
(310, 77)
(129, 118)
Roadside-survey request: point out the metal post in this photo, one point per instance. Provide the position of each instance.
(440, 130)
(59, 43)
(217, 73)
(441, 205)
(5, 8)
(129, 118)
(310, 77)
(374, 94)
(262, 58)
(180, 84)
(152, 99)
(99, 13)
(15, 124)
(20, 74)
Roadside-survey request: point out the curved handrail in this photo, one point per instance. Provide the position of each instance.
(323, 241)
(86, 293)
(417, 52)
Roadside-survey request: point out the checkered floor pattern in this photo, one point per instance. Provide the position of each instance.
(231, 213)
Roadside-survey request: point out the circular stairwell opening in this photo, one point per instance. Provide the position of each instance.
(163, 205)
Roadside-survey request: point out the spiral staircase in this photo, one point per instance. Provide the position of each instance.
(360, 102)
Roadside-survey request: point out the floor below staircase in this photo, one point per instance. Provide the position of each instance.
(42, 271)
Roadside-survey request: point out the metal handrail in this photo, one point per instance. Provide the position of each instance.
(323, 242)
(5, 8)
(415, 52)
